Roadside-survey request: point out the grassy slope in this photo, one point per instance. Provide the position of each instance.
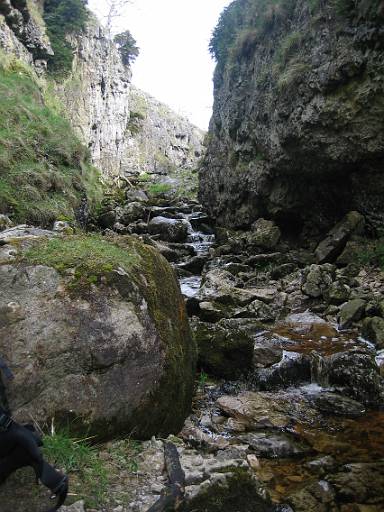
(44, 169)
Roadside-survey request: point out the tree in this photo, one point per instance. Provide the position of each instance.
(126, 45)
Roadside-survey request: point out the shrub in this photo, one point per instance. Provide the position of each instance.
(126, 44)
(63, 18)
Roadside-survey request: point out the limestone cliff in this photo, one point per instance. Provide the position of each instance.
(297, 132)
(22, 31)
(126, 131)
(96, 96)
(159, 140)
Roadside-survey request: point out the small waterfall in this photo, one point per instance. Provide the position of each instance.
(319, 369)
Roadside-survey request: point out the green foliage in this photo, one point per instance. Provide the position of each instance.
(373, 253)
(91, 256)
(158, 189)
(91, 467)
(127, 47)
(203, 377)
(292, 75)
(288, 47)
(243, 23)
(365, 9)
(135, 122)
(80, 457)
(63, 18)
(45, 170)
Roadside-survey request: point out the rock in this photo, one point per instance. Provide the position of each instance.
(318, 279)
(256, 309)
(274, 444)
(198, 438)
(63, 227)
(373, 330)
(337, 293)
(334, 404)
(292, 370)
(5, 222)
(118, 356)
(267, 350)
(354, 373)
(171, 230)
(315, 497)
(213, 311)
(359, 482)
(332, 246)
(136, 196)
(237, 490)
(351, 312)
(264, 234)
(255, 410)
(23, 232)
(194, 264)
(107, 219)
(223, 352)
(8, 254)
(308, 323)
(131, 212)
(76, 507)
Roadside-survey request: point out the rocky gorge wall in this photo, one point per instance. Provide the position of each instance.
(126, 131)
(297, 128)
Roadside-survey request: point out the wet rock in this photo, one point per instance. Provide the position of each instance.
(355, 373)
(283, 270)
(351, 312)
(194, 265)
(264, 234)
(360, 482)
(198, 438)
(322, 465)
(334, 404)
(223, 352)
(332, 246)
(317, 280)
(171, 230)
(293, 369)
(267, 350)
(308, 323)
(316, 497)
(274, 444)
(373, 330)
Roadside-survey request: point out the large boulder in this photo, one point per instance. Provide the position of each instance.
(170, 230)
(332, 246)
(97, 336)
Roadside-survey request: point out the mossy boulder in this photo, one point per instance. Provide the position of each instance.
(225, 350)
(97, 336)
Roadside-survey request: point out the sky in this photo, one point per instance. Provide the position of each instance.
(174, 64)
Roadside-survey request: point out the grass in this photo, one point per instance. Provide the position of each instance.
(373, 253)
(91, 256)
(45, 170)
(92, 469)
(292, 75)
(158, 189)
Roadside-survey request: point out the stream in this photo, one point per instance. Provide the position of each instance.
(303, 434)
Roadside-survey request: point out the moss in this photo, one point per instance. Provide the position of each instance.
(167, 308)
(91, 257)
(239, 492)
